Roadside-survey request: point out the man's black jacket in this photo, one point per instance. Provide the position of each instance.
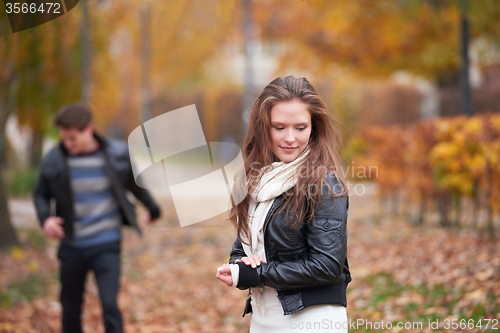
(308, 265)
(53, 183)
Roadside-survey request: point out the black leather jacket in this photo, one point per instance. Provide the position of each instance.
(54, 183)
(307, 265)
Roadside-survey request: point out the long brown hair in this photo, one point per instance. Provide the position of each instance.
(325, 145)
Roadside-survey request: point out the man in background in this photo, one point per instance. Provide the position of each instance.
(88, 176)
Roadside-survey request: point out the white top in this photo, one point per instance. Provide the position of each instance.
(324, 318)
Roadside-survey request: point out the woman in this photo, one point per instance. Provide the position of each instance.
(292, 239)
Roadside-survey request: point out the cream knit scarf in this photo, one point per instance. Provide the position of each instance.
(276, 179)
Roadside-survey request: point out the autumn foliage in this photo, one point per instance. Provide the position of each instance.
(450, 161)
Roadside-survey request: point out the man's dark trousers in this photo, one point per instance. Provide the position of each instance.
(104, 261)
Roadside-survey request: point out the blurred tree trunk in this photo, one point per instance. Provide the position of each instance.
(457, 208)
(146, 95)
(8, 237)
(422, 206)
(489, 200)
(86, 51)
(443, 203)
(465, 93)
(36, 147)
(249, 42)
(476, 205)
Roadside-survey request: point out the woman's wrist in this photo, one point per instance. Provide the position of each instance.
(248, 277)
(235, 274)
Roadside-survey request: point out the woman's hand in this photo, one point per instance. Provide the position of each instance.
(224, 271)
(224, 274)
(252, 260)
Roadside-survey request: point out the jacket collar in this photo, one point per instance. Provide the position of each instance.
(103, 142)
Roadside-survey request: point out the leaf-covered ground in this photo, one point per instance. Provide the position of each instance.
(401, 274)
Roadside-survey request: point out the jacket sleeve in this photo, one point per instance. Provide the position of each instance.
(237, 251)
(327, 242)
(143, 196)
(41, 197)
(140, 193)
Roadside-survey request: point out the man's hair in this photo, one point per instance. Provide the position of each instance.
(75, 115)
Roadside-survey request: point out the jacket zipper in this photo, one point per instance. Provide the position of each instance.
(266, 222)
(265, 227)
